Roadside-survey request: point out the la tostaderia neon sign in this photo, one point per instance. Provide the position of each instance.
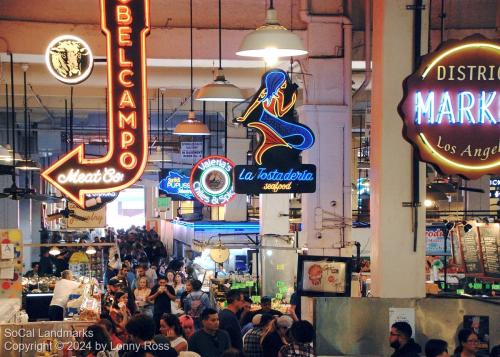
(126, 24)
(451, 108)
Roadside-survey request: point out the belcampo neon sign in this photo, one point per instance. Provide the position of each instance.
(451, 107)
(125, 24)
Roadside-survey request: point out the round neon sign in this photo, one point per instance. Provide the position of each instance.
(212, 181)
(450, 107)
(69, 59)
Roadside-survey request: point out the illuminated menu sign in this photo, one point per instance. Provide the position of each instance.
(282, 139)
(451, 107)
(174, 183)
(489, 235)
(212, 181)
(126, 25)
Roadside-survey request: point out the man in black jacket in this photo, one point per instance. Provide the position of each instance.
(400, 339)
(228, 320)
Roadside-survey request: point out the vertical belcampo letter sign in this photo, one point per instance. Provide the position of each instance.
(126, 25)
(451, 107)
(282, 139)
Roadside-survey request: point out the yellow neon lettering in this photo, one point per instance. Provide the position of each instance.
(123, 16)
(124, 36)
(122, 78)
(127, 139)
(127, 119)
(122, 60)
(127, 100)
(128, 160)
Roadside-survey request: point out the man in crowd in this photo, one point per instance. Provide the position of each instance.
(140, 272)
(400, 339)
(115, 284)
(302, 335)
(161, 295)
(34, 272)
(122, 274)
(265, 308)
(228, 320)
(62, 291)
(210, 341)
(195, 302)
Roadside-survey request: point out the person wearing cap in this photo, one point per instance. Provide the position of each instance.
(251, 340)
(302, 334)
(274, 337)
(265, 308)
(115, 284)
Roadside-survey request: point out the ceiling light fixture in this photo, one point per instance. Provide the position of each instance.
(220, 90)
(271, 41)
(90, 250)
(191, 126)
(54, 251)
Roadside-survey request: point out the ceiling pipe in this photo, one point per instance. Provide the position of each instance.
(308, 17)
(368, 49)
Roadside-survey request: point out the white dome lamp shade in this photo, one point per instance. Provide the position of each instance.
(271, 41)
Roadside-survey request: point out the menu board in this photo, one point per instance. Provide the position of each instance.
(470, 250)
(490, 246)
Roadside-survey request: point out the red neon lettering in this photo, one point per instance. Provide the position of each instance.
(123, 16)
(124, 36)
(127, 139)
(125, 82)
(130, 120)
(122, 60)
(128, 160)
(127, 100)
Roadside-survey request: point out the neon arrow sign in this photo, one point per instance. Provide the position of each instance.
(126, 25)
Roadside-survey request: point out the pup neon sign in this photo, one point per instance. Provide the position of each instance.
(451, 107)
(126, 25)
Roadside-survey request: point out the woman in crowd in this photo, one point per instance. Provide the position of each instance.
(98, 343)
(302, 335)
(187, 290)
(468, 343)
(141, 294)
(171, 327)
(120, 314)
(170, 277)
(436, 348)
(187, 324)
(179, 285)
(274, 336)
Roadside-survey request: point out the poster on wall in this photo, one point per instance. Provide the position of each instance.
(489, 236)
(277, 166)
(174, 183)
(450, 107)
(11, 265)
(402, 314)
(434, 240)
(481, 327)
(324, 276)
(191, 151)
(471, 254)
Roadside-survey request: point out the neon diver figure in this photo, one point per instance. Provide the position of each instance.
(271, 97)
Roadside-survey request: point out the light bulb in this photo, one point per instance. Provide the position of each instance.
(271, 60)
(269, 253)
(428, 203)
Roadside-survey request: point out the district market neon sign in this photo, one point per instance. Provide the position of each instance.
(451, 107)
(212, 180)
(126, 24)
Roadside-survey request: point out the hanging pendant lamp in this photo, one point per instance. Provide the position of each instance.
(271, 41)
(191, 126)
(220, 90)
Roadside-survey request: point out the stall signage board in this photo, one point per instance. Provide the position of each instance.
(126, 25)
(489, 235)
(212, 180)
(69, 59)
(450, 107)
(277, 166)
(93, 219)
(174, 183)
(469, 243)
(192, 151)
(434, 241)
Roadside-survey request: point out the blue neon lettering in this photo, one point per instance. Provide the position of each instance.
(424, 109)
(484, 103)
(445, 108)
(465, 109)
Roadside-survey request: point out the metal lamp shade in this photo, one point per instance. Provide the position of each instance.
(191, 126)
(219, 91)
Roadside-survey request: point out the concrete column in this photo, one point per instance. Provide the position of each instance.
(276, 264)
(396, 270)
(237, 148)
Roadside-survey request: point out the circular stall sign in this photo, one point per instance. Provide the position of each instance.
(212, 180)
(451, 107)
(69, 59)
